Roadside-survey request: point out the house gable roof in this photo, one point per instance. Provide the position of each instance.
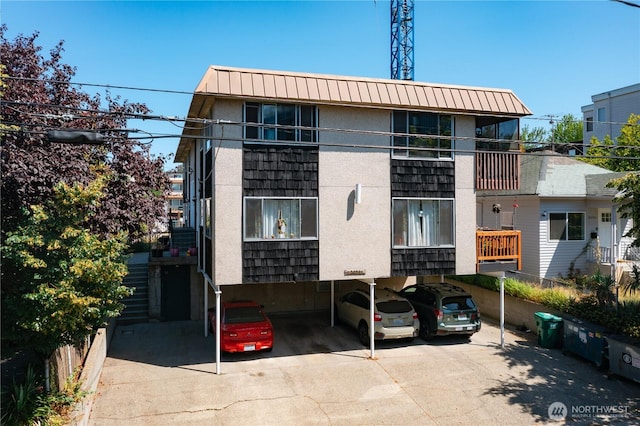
(265, 86)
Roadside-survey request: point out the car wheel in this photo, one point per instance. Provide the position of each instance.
(363, 333)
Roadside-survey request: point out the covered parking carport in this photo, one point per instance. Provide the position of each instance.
(328, 305)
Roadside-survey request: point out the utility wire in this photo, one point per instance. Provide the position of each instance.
(332, 144)
(192, 93)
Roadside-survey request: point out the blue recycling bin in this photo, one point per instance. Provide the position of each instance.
(586, 340)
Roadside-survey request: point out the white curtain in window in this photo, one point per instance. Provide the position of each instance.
(270, 218)
(416, 224)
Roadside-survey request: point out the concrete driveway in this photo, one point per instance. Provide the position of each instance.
(164, 374)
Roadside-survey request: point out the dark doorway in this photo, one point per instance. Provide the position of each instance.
(176, 293)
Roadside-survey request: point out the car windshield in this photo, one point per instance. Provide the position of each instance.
(242, 314)
(458, 303)
(394, 306)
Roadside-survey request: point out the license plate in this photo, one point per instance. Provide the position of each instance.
(462, 316)
(458, 328)
(398, 321)
(248, 348)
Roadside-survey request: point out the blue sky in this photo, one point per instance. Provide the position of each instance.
(553, 54)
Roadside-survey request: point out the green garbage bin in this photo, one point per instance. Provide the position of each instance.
(549, 329)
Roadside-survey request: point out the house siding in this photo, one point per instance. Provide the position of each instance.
(280, 261)
(280, 171)
(558, 257)
(423, 261)
(423, 179)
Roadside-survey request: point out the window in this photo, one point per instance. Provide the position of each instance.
(566, 226)
(488, 128)
(424, 124)
(281, 122)
(601, 114)
(422, 222)
(271, 218)
(205, 216)
(588, 122)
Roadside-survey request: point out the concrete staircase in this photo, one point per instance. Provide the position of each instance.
(137, 305)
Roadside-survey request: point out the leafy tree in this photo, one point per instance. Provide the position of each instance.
(61, 280)
(621, 155)
(567, 130)
(533, 137)
(39, 97)
(629, 202)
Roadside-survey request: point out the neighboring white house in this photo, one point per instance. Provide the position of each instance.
(565, 213)
(609, 112)
(295, 180)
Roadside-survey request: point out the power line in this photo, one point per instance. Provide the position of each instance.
(192, 93)
(332, 144)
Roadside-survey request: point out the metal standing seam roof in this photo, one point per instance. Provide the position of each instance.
(264, 85)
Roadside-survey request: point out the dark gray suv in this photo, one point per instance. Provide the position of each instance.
(443, 309)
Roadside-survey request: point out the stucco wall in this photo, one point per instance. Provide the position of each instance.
(227, 214)
(465, 205)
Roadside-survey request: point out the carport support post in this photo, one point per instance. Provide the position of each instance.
(372, 302)
(333, 304)
(218, 333)
(502, 310)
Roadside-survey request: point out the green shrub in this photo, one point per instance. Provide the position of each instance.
(28, 404)
(596, 307)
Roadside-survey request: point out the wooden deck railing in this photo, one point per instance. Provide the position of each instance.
(497, 170)
(495, 246)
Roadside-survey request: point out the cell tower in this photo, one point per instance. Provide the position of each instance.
(402, 39)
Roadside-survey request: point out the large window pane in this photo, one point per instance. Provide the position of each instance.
(576, 226)
(307, 119)
(253, 218)
(400, 223)
(423, 125)
(290, 116)
(269, 119)
(251, 115)
(446, 222)
(557, 226)
(422, 223)
(446, 130)
(270, 218)
(286, 116)
(309, 218)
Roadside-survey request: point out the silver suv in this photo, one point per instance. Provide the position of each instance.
(393, 316)
(443, 309)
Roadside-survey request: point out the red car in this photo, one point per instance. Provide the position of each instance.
(245, 327)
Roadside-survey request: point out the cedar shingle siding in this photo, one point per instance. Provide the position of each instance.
(424, 179)
(280, 261)
(280, 171)
(423, 261)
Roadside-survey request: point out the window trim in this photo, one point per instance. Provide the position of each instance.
(566, 224)
(407, 135)
(438, 246)
(298, 238)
